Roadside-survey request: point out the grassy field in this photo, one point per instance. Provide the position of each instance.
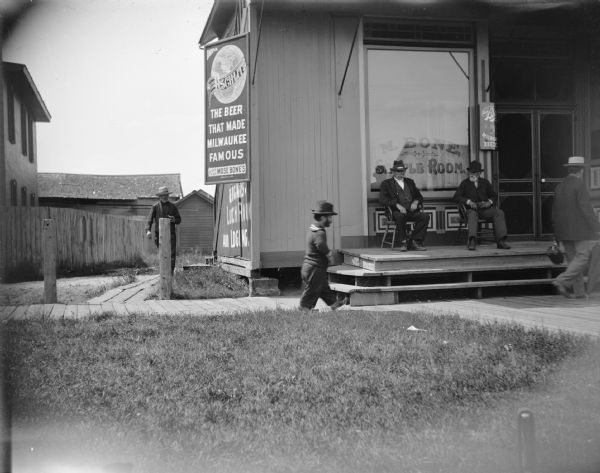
(298, 392)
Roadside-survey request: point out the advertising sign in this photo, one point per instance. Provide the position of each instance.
(233, 225)
(433, 164)
(487, 126)
(227, 111)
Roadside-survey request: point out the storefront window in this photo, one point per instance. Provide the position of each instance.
(595, 99)
(418, 111)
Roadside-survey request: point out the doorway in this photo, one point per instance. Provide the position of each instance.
(534, 143)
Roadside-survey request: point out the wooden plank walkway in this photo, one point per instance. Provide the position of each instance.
(552, 312)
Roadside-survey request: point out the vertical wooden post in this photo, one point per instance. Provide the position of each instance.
(527, 460)
(164, 258)
(49, 251)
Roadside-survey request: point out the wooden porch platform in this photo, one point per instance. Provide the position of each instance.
(381, 276)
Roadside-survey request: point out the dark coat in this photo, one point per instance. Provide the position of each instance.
(467, 191)
(573, 217)
(160, 210)
(391, 194)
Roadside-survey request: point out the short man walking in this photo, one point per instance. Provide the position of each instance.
(576, 227)
(164, 209)
(316, 261)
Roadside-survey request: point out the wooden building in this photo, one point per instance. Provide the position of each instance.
(196, 230)
(336, 90)
(126, 195)
(21, 107)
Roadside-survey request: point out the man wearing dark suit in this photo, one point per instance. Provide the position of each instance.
(401, 195)
(478, 195)
(576, 227)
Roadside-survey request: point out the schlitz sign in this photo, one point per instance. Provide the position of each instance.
(487, 126)
(227, 127)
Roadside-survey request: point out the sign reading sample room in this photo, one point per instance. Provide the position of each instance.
(227, 127)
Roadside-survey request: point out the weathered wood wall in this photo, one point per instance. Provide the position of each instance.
(83, 238)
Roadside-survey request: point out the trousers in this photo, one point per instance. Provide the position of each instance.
(495, 215)
(316, 284)
(578, 259)
(421, 220)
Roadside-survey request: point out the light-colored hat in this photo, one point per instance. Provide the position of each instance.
(576, 161)
(163, 191)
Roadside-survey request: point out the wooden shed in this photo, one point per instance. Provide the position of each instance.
(315, 99)
(196, 230)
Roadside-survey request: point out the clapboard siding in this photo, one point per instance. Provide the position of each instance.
(297, 131)
(197, 224)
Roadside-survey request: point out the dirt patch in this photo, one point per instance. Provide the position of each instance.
(68, 290)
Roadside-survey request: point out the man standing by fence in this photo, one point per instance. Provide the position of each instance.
(164, 209)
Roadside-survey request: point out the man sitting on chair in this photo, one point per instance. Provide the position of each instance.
(478, 195)
(401, 195)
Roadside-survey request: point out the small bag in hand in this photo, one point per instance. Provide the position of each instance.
(554, 253)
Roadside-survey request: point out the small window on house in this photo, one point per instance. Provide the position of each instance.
(30, 139)
(13, 192)
(32, 199)
(24, 196)
(23, 130)
(10, 104)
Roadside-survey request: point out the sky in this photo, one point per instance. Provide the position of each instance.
(123, 82)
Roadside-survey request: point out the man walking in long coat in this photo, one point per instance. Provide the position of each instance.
(576, 227)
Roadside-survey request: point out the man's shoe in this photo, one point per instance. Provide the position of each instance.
(502, 245)
(563, 290)
(417, 246)
(339, 303)
(403, 246)
(472, 245)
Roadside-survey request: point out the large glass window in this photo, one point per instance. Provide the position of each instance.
(418, 111)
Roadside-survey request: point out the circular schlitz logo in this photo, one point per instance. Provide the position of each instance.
(228, 74)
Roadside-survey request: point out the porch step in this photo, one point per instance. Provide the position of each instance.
(448, 257)
(374, 295)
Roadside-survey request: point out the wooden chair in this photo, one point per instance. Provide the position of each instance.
(484, 232)
(390, 230)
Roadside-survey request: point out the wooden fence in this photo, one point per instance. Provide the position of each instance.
(83, 238)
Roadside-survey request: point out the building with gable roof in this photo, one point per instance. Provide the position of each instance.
(196, 230)
(127, 195)
(21, 107)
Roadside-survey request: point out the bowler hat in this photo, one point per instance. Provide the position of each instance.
(398, 166)
(324, 208)
(576, 161)
(163, 191)
(475, 166)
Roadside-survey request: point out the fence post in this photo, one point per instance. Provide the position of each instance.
(49, 251)
(164, 258)
(527, 460)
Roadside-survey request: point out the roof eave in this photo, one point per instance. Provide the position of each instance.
(21, 76)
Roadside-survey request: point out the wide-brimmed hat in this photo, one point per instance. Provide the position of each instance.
(163, 191)
(576, 161)
(324, 208)
(475, 166)
(398, 166)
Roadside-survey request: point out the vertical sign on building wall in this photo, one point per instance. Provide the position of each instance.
(227, 127)
(233, 220)
(487, 126)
